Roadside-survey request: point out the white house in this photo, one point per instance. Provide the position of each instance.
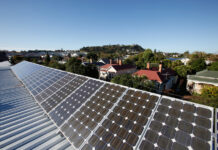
(108, 71)
(196, 82)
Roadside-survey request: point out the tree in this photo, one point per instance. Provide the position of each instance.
(92, 56)
(197, 55)
(74, 65)
(186, 54)
(55, 64)
(128, 61)
(69, 55)
(148, 56)
(135, 82)
(210, 91)
(213, 66)
(197, 64)
(176, 63)
(167, 63)
(16, 59)
(183, 70)
(56, 58)
(47, 59)
(208, 96)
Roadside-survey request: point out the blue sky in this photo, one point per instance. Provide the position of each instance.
(165, 25)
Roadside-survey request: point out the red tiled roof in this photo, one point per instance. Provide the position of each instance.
(150, 74)
(156, 75)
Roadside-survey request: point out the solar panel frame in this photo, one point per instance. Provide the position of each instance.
(216, 129)
(88, 100)
(56, 89)
(153, 113)
(58, 92)
(183, 102)
(121, 98)
(66, 99)
(59, 127)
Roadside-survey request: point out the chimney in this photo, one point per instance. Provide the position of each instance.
(148, 65)
(120, 62)
(90, 60)
(160, 68)
(110, 61)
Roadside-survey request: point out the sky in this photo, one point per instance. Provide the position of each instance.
(165, 25)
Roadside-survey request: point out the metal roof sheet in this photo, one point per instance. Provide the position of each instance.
(23, 124)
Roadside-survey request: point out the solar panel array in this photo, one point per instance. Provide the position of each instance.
(216, 129)
(93, 114)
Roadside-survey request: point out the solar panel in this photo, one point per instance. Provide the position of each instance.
(54, 87)
(124, 125)
(74, 101)
(216, 129)
(78, 128)
(27, 66)
(42, 79)
(94, 114)
(179, 125)
(62, 93)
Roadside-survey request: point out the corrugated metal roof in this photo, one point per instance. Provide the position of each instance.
(23, 124)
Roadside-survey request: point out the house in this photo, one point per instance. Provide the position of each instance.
(183, 60)
(164, 78)
(108, 71)
(97, 64)
(104, 60)
(78, 54)
(196, 82)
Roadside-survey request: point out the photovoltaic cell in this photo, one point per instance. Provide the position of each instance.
(42, 79)
(61, 94)
(25, 69)
(179, 125)
(84, 121)
(74, 101)
(216, 129)
(51, 89)
(93, 114)
(124, 125)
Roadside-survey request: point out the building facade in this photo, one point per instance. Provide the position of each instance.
(195, 83)
(164, 78)
(108, 71)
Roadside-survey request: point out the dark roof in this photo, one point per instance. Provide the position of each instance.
(205, 76)
(118, 67)
(106, 60)
(208, 73)
(94, 63)
(123, 67)
(98, 63)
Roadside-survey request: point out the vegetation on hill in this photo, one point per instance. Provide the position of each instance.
(112, 48)
(141, 59)
(112, 51)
